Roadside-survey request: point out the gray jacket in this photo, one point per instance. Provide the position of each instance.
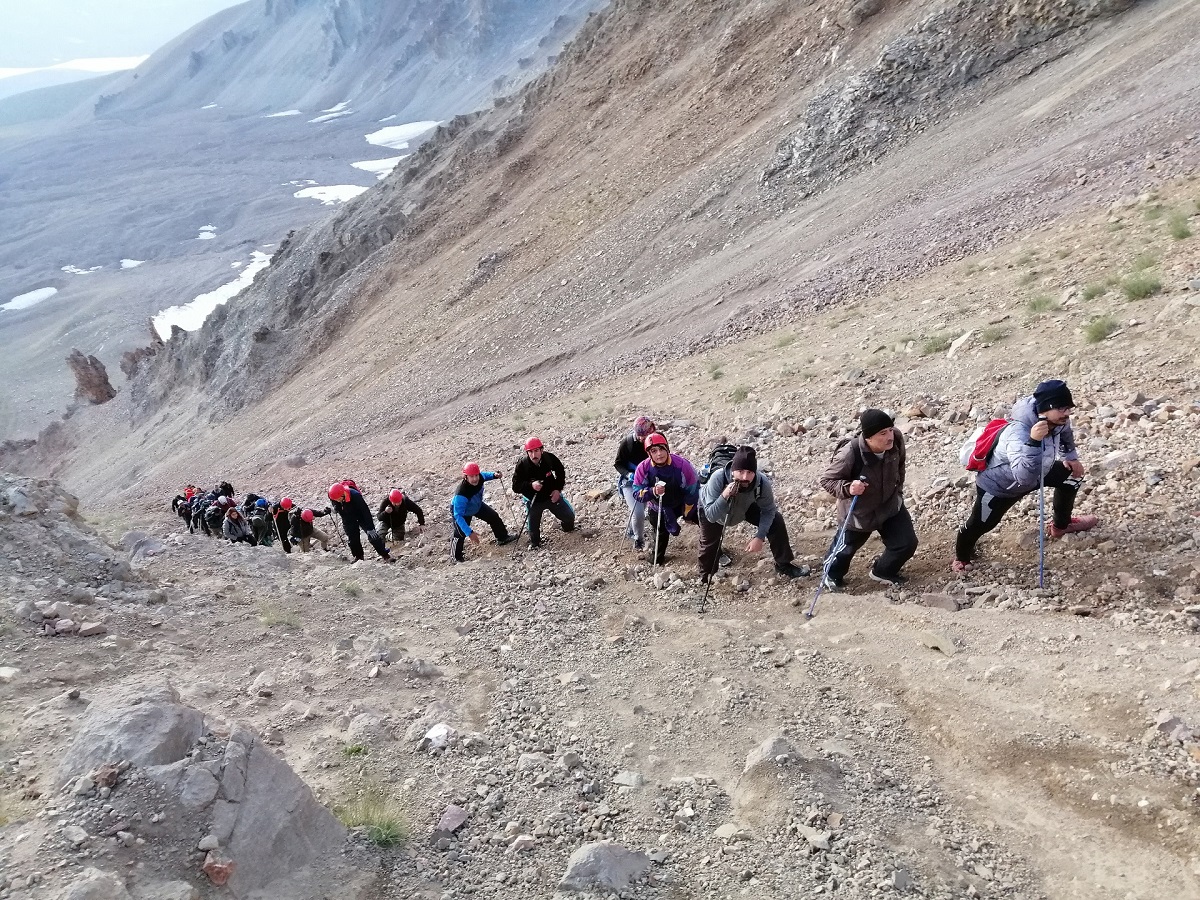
(1015, 463)
(717, 507)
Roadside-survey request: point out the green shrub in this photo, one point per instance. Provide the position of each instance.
(1178, 227)
(352, 588)
(270, 615)
(993, 334)
(352, 750)
(1099, 328)
(1028, 278)
(786, 340)
(715, 372)
(1154, 212)
(1094, 290)
(739, 393)
(1042, 303)
(1140, 285)
(378, 814)
(935, 344)
(1144, 261)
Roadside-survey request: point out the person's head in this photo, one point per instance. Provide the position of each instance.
(877, 430)
(233, 513)
(1053, 401)
(306, 515)
(743, 468)
(643, 427)
(472, 473)
(286, 503)
(396, 497)
(533, 449)
(658, 448)
(338, 492)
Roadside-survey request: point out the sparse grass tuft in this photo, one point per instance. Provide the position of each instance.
(1028, 278)
(1094, 290)
(352, 588)
(1144, 261)
(272, 615)
(1042, 303)
(1141, 285)
(739, 393)
(715, 372)
(378, 814)
(350, 751)
(935, 344)
(1178, 227)
(786, 340)
(993, 334)
(1099, 328)
(1153, 212)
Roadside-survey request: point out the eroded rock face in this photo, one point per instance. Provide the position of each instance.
(91, 378)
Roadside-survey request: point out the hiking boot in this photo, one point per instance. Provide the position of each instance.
(1078, 524)
(791, 570)
(889, 580)
(507, 539)
(958, 567)
(535, 545)
(725, 560)
(832, 585)
(639, 545)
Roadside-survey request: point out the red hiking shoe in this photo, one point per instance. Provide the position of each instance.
(1078, 523)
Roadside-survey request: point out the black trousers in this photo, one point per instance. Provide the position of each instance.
(710, 539)
(899, 544)
(489, 515)
(395, 521)
(990, 509)
(562, 510)
(352, 526)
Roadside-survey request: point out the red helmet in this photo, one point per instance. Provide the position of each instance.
(339, 492)
(533, 444)
(656, 440)
(471, 469)
(396, 496)
(349, 482)
(286, 503)
(307, 515)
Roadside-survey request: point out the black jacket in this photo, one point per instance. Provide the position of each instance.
(385, 508)
(549, 471)
(300, 528)
(629, 454)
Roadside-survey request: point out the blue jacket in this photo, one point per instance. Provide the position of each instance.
(468, 500)
(1017, 459)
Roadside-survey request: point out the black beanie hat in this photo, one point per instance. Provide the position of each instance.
(873, 421)
(1052, 394)
(744, 460)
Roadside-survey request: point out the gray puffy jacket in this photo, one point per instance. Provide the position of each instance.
(1013, 469)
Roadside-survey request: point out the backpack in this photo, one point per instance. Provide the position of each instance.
(977, 451)
(722, 456)
(859, 462)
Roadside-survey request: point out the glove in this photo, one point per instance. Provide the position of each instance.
(373, 535)
(328, 510)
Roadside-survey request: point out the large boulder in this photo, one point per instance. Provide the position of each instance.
(142, 723)
(603, 866)
(92, 884)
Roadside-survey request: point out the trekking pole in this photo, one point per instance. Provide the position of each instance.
(657, 526)
(833, 552)
(716, 564)
(1041, 518)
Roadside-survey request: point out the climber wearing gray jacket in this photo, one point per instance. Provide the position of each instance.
(236, 528)
(1036, 448)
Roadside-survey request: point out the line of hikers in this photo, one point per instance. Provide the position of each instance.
(1033, 448)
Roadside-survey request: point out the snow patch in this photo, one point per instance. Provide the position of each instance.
(131, 263)
(330, 194)
(329, 117)
(191, 316)
(207, 233)
(209, 106)
(397, 136)
(76, 270)
(24, 301)
(380, 168)
(337, 107)
(280, 115)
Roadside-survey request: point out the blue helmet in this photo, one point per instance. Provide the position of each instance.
(261, 503)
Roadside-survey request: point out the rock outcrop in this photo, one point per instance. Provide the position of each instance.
(91, 378)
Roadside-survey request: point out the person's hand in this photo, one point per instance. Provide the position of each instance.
(498, 474)
(857, 488)
(536, 485)
(1039, 431)
(555, 496)
(659, 490)
(473, 538)
(730, 491)
(755, 545)
(1075, 466)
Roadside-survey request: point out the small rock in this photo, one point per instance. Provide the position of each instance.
(935, 641)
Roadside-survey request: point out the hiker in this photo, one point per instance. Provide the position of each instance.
(303, 529)
(738, 493)
(1037, 442)
(394, 510)
(871, 467)
(355, 515)
(261, 523)
(467, 504)
(236, 528)
(282, 522)
(540, 477)
(630, 453)
(668, 485)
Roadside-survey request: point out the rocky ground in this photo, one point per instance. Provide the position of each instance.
(958, 737)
